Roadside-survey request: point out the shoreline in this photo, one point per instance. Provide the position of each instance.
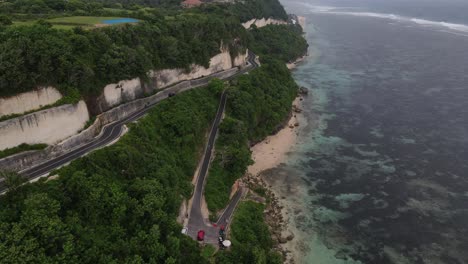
(271, 151)
(268, 154)
(292, 65)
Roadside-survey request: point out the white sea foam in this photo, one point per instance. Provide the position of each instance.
(316, 8)
(452, 26)
(418, 21)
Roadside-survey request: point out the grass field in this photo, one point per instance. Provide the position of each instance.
(80, 20)
(58, 26)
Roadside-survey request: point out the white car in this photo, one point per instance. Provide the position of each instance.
(184, 231)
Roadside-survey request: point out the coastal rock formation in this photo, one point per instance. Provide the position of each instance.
(28, 101)
(47, 126)
(263, 22)
(303, 90)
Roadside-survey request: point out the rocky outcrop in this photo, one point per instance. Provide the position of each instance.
(273, 216)
(47, 126)
(25, 102)
(263, 22)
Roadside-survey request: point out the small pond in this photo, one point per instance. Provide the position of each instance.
(120, 21)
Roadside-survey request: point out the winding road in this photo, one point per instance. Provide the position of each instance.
(196, 220)
(111, 132)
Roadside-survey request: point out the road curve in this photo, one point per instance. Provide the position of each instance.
(196, 221)
(109, 133)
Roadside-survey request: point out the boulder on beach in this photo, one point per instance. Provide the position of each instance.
(303, 90)
(296, 109)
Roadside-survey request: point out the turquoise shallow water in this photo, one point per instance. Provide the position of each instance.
(120, 21)
(379, 174)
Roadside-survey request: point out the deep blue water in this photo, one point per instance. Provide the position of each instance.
(120, 21)
(380, 174)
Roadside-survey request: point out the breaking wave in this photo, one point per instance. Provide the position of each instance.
(422, 22)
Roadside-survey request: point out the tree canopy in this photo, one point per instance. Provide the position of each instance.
(284, 42)
(39, 55)
(117, 204)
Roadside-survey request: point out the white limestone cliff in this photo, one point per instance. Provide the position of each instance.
(263, 22)
(220, 62)
(28, 101)
(47, 126)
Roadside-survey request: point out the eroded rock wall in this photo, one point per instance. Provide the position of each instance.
(28, 101)
(123, 91)
(48, 126)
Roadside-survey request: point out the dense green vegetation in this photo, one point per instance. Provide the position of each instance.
(24, 9)
(257, 105)
(41, 8)
(262, 99)
(88, 60)
(117, 204)
(35, 52)
(284, 42)
(259, 9)
(231, 160)
(80, 20)
(21, 148)
(250, 237)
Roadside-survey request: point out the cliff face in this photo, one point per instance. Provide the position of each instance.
(30, 158)
(167, 77)
(129, 90)
(123, 91)
(263, 22)
(28, 101)
(46, 126)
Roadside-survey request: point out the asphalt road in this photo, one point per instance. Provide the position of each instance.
(196, 218)
(196, 221)
(109, 133)
(112, 131)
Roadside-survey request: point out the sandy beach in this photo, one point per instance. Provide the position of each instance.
(271, 152)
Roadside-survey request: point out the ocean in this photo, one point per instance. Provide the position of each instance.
(380, 170)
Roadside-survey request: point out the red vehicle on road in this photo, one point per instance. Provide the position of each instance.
(201, 235)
